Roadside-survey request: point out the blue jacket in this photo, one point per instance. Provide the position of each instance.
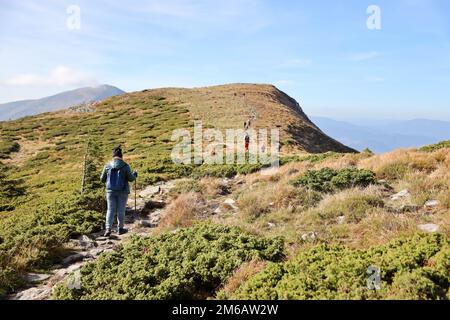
(118, 164)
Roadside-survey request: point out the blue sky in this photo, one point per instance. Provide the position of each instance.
(319, 52)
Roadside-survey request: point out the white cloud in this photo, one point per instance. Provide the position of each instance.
(60, 76)
(364, 56)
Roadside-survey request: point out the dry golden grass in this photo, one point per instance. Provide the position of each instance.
(241, 275)
(181, 212)
(358, 217)
(406, 159)
(380, 227)
(260, 199)
(213, 187)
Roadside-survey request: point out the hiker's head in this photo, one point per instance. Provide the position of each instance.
(117, 152)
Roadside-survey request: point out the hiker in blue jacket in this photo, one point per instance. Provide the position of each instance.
(116, 175)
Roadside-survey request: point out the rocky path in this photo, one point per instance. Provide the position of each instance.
(150, 208)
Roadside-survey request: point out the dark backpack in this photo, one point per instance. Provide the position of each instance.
(116, 179)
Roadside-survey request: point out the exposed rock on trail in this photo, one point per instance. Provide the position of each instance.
(151, 201)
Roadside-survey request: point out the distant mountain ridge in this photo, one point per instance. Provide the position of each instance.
(385, 135)
(66, 99)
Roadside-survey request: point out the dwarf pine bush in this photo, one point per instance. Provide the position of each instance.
(411, 268)
(437, 146)
(190, 263)
(328, 180)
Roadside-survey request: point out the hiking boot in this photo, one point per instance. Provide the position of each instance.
(107, 233)
(122, 231)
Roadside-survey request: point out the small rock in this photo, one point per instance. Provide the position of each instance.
(105, 242)
(340, 219)
(429, 227)
(270, 224)
(74, 268)
(37, 277)
(402, 194)
(146, 224)
(86, 243)
(149, 191)
(218, 211)
(101, 238)
(310, 236)
(73, 258)
(231, 203)
(96, 252)
(432, 203)
(33, 294)
(271, 204)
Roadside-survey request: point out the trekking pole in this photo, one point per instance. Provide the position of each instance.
(135, 201)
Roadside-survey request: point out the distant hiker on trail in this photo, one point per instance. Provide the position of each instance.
(247, 141)
(116, 175)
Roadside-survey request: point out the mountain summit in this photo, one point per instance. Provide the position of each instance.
(229, 106)
(63, 100)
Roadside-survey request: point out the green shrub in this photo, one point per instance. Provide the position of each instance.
(411, 268)
(437, 146)
(313, 158)
(328, 180)
(219, 171)
(185, 186)
(188, 264)
(8, 146)
(33, 238)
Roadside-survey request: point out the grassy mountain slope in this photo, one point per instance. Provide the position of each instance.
(42, 159)
(336, 215)
(228, 106)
